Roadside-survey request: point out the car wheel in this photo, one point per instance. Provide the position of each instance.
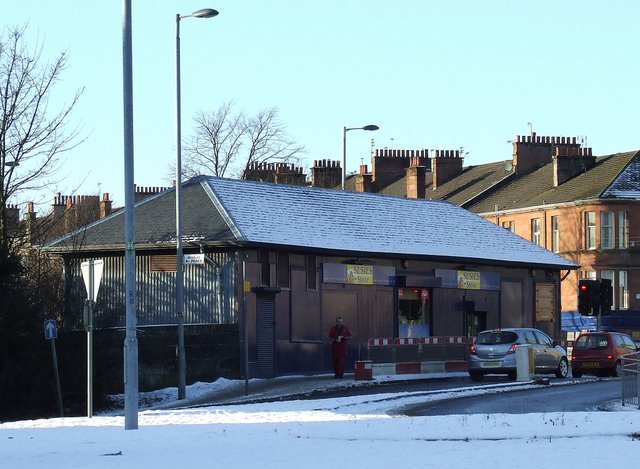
(475, 376)
(617, 371)
(576, 373)
(563, 368)
(512, 375)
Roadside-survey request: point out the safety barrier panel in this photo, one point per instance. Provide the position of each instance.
(631, 379)
(418, 350)
(421, 340)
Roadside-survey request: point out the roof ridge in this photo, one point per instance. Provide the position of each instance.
(224, 213)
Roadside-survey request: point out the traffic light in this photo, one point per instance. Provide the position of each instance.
(606, 296)
(588, 297)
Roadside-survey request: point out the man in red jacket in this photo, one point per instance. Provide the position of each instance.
(339, 335)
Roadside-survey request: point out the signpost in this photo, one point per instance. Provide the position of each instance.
(92, 275)
(51, 333)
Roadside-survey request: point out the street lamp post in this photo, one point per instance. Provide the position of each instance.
(204, 13)
(344, 147)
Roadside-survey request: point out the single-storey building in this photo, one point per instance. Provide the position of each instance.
(268, 267)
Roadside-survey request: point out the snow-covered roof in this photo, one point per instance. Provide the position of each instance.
(627, 184)
(329, 219)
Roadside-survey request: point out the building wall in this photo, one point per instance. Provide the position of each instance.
(304, 311)
(303, 316)
(571, 221)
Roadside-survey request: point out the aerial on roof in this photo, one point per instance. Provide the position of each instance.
(220, 211)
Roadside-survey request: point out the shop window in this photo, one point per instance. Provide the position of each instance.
(414, 312)
(476, 322)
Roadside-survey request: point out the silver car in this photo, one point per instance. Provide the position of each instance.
(494, 352)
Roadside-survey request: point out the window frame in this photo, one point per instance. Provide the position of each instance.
(623, 230)
(623, 290)
(590, 231)
(607, 230)
(555, 233)
(535, 231)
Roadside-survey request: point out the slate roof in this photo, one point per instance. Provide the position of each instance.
(536, 188)
(481, 188)
(222, 212)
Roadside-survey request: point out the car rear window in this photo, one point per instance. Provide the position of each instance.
(496, 337)
(592, 341)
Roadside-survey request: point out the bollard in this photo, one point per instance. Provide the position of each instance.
(524, 362)
(364, 370)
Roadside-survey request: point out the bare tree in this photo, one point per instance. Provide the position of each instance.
(31, 136)
(227, 143)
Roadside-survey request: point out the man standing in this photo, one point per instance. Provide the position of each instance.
(339, 335)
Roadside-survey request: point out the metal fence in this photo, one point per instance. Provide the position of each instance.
(631, 379)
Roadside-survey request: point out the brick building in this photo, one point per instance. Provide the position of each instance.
(553, 191)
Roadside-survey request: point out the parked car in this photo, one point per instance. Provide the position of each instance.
(599, 353)
(494, 352)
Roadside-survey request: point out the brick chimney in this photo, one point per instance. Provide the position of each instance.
(59, 205)
(364, 180)
(447, 164)
(532, 151)
(12, 214)
(144, 192)
(416, 184)
(569, 162)
(390, 165)
(290, 174)
(105, 205)
(326, 173)
(30, 220)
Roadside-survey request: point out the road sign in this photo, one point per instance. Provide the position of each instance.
(87, 274)
(50, 329)
(189, 259)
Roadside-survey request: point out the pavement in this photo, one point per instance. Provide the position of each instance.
(296, 387)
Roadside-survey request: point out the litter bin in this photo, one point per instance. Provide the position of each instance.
(524, 362)
(364, 370)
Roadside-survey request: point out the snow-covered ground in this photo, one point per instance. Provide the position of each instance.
(356, 432)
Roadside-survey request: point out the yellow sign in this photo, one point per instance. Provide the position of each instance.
(468, 280)
(360, 274)
(247, 286)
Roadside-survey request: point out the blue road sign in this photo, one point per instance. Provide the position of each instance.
(50, 329)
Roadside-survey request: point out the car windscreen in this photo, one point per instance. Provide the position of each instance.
(496, 337)
(591, 341)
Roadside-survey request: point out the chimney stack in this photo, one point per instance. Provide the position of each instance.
(447, 164)
(326, 173)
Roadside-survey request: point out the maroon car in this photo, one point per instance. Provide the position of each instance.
(599, 353)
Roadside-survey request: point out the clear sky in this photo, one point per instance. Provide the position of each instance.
(431, 74)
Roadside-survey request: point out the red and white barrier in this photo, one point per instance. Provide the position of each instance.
(446, 340)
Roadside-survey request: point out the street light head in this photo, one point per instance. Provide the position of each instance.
(205, 13)
(370, 127)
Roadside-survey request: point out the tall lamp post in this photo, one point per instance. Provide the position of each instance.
(204, 13)
(344, 147)
(130, 341)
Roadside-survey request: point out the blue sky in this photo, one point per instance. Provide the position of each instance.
(436, 75)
